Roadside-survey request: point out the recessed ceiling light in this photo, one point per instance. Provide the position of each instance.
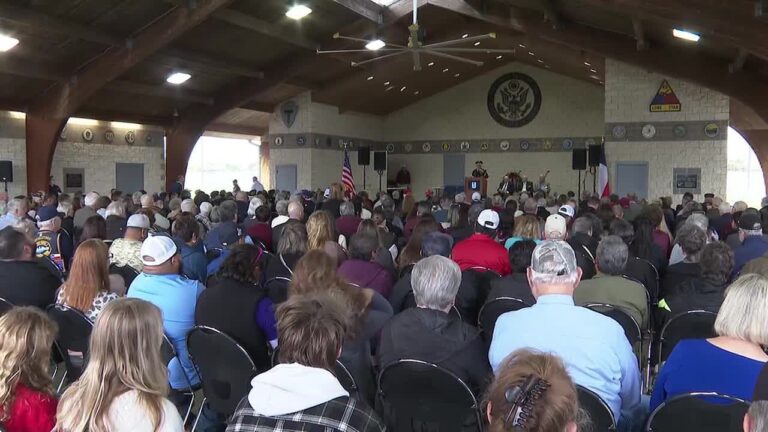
(465, 35)
(431, 64)
(416, 93)
(457, 75)
(477, 43)
(686, 35)
(602, 82)
(521, 45)
(402, 89)
(587, 64)
(7, 42)
(593, 70)
(375, 45)
(370, 78)
(177, 78)
(445, 70)
(531, 53)
(540, 61)
(384, 2)
(298, 12)
(499, 57)
(386, 83)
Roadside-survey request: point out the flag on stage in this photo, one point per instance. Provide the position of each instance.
(604, 188)
(346, 175)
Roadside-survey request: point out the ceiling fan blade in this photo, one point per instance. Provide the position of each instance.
(475, 50)
(400, 52)
(356, 51)
(461, 41)
(453, 57)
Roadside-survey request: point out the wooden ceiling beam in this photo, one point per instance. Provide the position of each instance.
(252, 23)
(551, 14)
(365, 8)
(738, 62)
(197, 59)
(639, 30)
(258, 106)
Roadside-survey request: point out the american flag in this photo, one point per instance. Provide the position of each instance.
(346, 175)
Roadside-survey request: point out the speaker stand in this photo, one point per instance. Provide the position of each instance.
(578, 197)
(364, 167)
(381, 173)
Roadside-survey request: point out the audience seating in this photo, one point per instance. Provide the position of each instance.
(697, 324)
(599, 413)
(168, 353)
(416, 394)
(225, 368)
(342, 373)
(73, 338)
(277, 287)
(700, 412)
(483, 286)
(5, 306)
(126, 272)
(491, 311)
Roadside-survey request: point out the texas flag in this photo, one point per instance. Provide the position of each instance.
(603, 187)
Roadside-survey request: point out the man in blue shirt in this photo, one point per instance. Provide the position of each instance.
(593, 347)
(175, 295)
(753, 244)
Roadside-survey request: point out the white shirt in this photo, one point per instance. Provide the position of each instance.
(127, 415)
(257, 186)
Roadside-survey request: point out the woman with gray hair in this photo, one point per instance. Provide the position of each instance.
(116, 220)
(430, 333)
(729, 363)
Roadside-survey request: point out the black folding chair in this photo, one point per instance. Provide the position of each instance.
(277, 287)
(697, 324)
(73, 338)
(168, 353)
(126, 272)
(632, 329)
(5, 306)
(225, 368)
(417, 395)
(600, 414)
(700, 412)
(491, 311)
(485, 276)
(51, 265)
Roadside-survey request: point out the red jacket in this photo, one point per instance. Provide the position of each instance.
(31, 411)
(479, 250)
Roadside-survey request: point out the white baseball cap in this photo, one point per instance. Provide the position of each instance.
(488, 219)
(555, 228)
(476, 196)
(566, 210)
(157, 250)
(188, 206)
(138, 221)
(90, 198)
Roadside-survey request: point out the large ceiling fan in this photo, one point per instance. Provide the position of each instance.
(416, 48)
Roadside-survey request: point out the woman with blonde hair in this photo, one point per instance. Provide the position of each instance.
(533, 392)
(321, 235)
(87, 288)
(125, 384)
(27, 403)
(527, 227)
(729, 363)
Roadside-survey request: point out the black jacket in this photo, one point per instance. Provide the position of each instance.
(693, 294)
(230, 306)
(398, 298)
(676, 275)
(515, 286)
(643, 272)
(28, 283)
(436, 337)
(585, 248)
(280, 268)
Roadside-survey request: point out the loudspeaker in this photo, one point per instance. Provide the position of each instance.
(364, 156)
(594, 155)
(579, 159)
(380, 161)
(6, 171)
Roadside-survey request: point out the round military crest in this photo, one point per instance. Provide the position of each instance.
(148, 138)
(278, 141)
(408, 147)
(524, 145)
(514, 100)
(426, 147)
(547, 145)
(446, 146)
(567, 144)
(390, 148)
(711, 130)
(88, 135)
(464, 145)
(317, 141)
(484, 146)
(109, 136)
(680, 131)
(504, 145)
(130, 137)
(619, 131)
(301, 140)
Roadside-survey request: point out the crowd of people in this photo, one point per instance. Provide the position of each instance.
(307, 280)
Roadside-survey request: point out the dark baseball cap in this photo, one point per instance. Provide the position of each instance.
(46, 213)
(750, 221)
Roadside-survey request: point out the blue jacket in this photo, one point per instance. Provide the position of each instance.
(193, 262)
(752, 247)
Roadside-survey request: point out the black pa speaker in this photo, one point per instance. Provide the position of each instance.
(380, 161)
(364, 156)
(594, 155)
(6, 171)
(579, 160)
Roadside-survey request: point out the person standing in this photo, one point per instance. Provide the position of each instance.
(53, 188)
(403, 176)
(257, 186)
(178, 186)
(479, 171)
(235, 187)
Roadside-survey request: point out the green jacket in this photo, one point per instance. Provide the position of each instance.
(618, 291)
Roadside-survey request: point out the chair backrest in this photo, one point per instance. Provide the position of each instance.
(484, 276)
(224, 366)
(277, 287)
(491, 311)
(700, 412)
(5, 306)
(697, 324)
(599, 413)
(73, 337)
(626, 321)
(417, 395)
(126, 272)
(51, 265)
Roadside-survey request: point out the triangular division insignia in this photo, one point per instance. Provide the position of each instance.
(665, 100)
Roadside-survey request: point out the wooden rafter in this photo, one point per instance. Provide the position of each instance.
(365, 8)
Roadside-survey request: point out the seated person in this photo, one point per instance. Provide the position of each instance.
(291, 247)
(126, 251)
(480, 249)
(729, 363)
(260, 230)
(705, 292)
(302, 392)
(321, 235)
(433, 243)
(124, 386)
(362, 268)
(584, 245)
(429, 333)
(347, 223)
(527, 227)
(556, 408)
(217, 237)
(185, 230)
(161, 284)
(24, 281)
(593, 347)
(53, 242)
(691, 238)
(610, 287)
(27, 402)
(87, 287)
(516, 285)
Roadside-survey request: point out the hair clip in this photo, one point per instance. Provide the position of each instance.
(523, 398)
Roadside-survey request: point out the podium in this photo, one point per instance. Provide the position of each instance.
(475, 184)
